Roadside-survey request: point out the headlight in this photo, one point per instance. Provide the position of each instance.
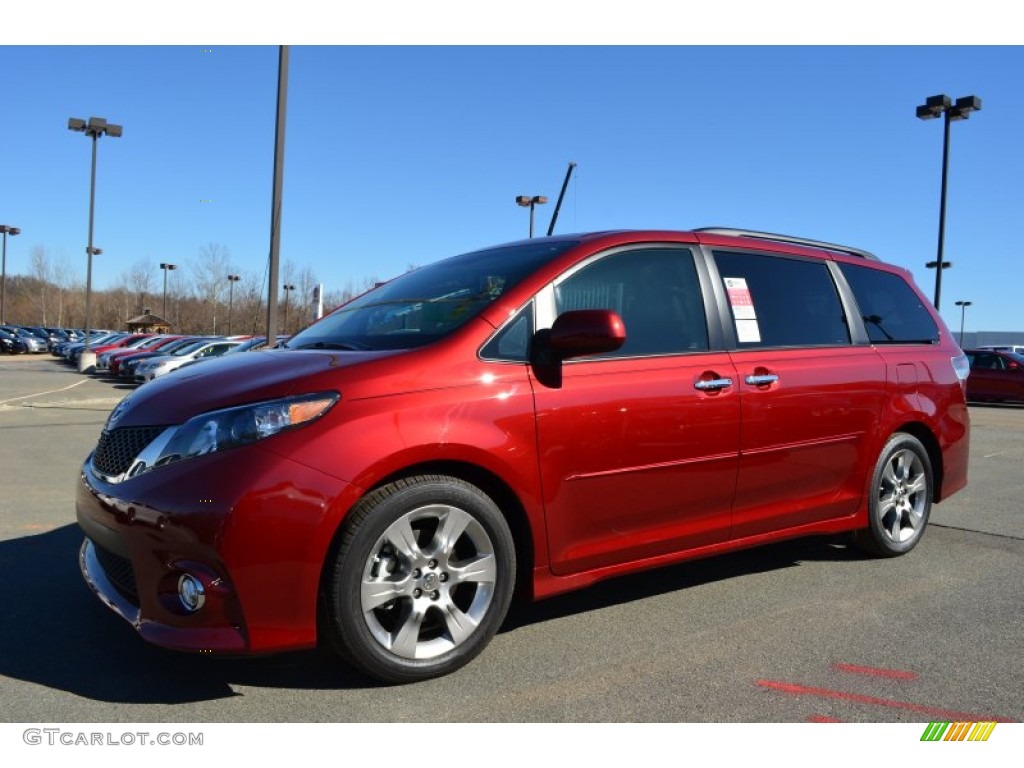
(232, 427)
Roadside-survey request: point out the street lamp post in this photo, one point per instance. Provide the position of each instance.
(959, 110)
(963, 311)
(94, 128)
(232, 279)
(3, 270)
(287, 290)
(166, 268)
(526, 201)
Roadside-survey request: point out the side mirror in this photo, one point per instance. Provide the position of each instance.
(1013, 366)
(584, 332)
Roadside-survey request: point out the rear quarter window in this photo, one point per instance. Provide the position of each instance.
(892, 311)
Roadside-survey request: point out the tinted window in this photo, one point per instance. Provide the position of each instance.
(655, 291)
(782, 302)
(891, 310)
(987, 361)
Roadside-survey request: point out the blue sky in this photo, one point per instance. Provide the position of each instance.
(406, 154)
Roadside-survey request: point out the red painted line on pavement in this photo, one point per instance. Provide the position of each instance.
(938, 712)
(823, 719)
(894, 674)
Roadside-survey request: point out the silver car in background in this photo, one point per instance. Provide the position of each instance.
(200, 350)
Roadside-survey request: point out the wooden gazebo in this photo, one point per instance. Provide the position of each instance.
(148, 323)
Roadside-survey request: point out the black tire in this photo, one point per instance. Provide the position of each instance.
(900, 498)
(420, 580)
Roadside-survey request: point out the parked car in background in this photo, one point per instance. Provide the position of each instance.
(995, 375)
(7, 344)
(252, 343)
(245, 344)
(26, 341)
(142, 342)
(1016, 348)
(127, 340)
(540, 415)
(59, 334)
(158, 345)
(71, 352)
(199, 350)
(41, 333)
(126, 368)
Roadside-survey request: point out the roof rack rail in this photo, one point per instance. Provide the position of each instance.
(788, 239)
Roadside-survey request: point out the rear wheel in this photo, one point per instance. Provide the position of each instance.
(901, 498)
(421, 579)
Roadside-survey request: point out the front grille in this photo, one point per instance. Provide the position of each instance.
(119, 571)
(118, 448)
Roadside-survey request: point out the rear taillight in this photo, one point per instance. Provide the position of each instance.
(962, 368)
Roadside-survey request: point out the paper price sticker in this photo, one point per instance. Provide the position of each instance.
(743, 310)
(740, 298)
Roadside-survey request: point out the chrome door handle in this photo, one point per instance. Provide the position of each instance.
(712, 384)
(762, 380)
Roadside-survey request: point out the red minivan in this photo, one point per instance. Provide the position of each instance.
(535, 416)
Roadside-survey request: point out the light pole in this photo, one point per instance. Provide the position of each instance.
(166, 268)
(232, 279)
(94, 128)
(959, 110)
(526, 201)
(963, 311)
(287, 290)
(3, 271)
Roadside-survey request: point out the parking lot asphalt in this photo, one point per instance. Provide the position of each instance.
(805, 630)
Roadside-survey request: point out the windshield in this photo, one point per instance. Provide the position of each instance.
(189, 348)
(427, 304)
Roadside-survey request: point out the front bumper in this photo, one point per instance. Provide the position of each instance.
(253, 527)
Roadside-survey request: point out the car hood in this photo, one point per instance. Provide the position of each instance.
(227, 381)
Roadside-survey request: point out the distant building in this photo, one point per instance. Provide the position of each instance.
(973, 339)
(148, 323)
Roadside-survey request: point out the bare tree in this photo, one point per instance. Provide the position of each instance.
(307, 283)
(209, 280)
(139, 281)
(38, 290)
(64, 281)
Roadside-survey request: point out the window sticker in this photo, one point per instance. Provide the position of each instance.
(747, 332)
(743, 310)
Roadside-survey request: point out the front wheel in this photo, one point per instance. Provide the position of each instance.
(420, 580)
(901, 498)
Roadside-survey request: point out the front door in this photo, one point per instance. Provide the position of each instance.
(639, 447)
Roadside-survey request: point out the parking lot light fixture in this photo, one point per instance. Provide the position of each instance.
(166, 268)
(287, 290)
(232, 279)
(933, 107)
(93, 128)
(963, 311)
(526, 201)
(7, 230)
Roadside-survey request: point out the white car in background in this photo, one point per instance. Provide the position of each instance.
(200, 350)
(1015, 348)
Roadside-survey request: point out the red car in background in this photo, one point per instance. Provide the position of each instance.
(131, 340)
(114, 364)
(997, 376)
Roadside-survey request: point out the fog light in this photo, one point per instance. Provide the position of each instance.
(191, 592)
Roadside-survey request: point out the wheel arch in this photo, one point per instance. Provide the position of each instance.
(930, 442)
(491, 484)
